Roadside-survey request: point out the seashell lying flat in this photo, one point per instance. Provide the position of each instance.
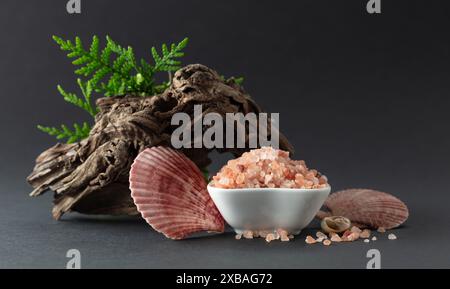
(335, 224)
(367, 208)
(170, 193)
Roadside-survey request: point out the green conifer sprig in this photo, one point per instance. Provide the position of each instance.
(115, 71)
(79, 132)
(86, 90)
(167, 61)
(112, 71)
(239, 80)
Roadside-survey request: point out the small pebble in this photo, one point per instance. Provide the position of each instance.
(392, 237)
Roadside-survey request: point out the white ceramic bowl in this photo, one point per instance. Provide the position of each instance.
(267, 208)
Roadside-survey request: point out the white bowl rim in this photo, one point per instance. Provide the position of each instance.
(237, 190)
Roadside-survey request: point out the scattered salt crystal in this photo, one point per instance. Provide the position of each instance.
(270, 237)
(335, 238)
(263, 234)
(355, 229)
(350, 236)
(374, 238)
(283, 235)
(248, 234)
(366, 240)
(285, 239)
(392, 237)
(365, 234)
(353, 237)
(327, 242)
(345, 235)
(310, 240)
(321, 235)
(381, 230)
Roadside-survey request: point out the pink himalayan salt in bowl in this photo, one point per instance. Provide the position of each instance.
(268, 168)
(249, 200)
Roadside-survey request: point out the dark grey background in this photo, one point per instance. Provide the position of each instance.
(362, 97)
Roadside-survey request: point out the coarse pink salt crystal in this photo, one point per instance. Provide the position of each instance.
(263, 233)
(268, 168)
(310, 240)
(283, 235)
(381, 230)
(335, 238)
(285, 239)
(240, 179)
(270, 237)
(392, 237)
(365, 234)
(355, 229)
(349, 236)
(248, 234)
(320, 236)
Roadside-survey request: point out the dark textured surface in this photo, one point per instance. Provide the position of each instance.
(30, 238)
(364, 98)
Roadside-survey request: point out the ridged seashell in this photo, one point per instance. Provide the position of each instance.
(170, 193)
(366, 207)
(335, 224)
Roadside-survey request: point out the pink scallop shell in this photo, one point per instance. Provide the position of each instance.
(170, 193)
(366, 207)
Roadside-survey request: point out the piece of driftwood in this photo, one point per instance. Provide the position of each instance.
(91, 176)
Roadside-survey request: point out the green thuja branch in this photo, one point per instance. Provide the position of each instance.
(167, 61)
(79, 132)
(112, 71)
(115, 71)
(238, 80)
(86, 90)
